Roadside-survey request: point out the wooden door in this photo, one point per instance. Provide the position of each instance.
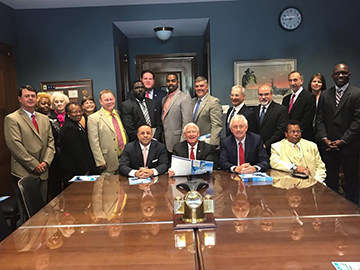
(122, 75)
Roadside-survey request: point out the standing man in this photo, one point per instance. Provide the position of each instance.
(338, 126)
(148, 79)
(301, 104)
(207, 113)
(177, 112)
(29, 138)
(237, 97)
(106, 133)
(138, 110)
(272, 117)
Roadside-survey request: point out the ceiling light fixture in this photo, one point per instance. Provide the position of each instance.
(163, 33)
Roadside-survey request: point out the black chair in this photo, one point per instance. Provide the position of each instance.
(11, 211)
(30, 195)
(4, 228)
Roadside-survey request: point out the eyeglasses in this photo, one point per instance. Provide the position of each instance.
(294, 131)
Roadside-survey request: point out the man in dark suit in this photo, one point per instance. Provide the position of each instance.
(338, 125)
(301, 105)
(138, 110)
(145, 157)
(148, 79)
(237, 97)
(242, 152)
(272, 117)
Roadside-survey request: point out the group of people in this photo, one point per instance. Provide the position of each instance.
(152, 125)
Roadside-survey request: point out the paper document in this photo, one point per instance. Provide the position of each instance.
(185, 166)
(137, 181)
(346, 265)
(84, 178)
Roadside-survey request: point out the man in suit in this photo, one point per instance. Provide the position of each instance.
(237, 97)
(301, 105)
(243, 151)
(29, 138)
(272, 117)
(294, 154)
(338, 126)
(138, 110)
(207, 113)
(177, 112)
(107, 136)
(145, 157)
(148, 79)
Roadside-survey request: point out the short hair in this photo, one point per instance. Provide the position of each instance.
(67, 107)
(41, 95)
(296, 71)
(147, 71)
(291, 122)
(86, 98)
(271, 89)
(137, 81)
(174, 74)
(59, 95)
(238, 117)
(28, 87)
(105, 91)
(200, 79)
(191, 125)
(142, 126)
(322, 79)
(242, 89)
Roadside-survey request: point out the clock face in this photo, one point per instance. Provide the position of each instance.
(290, 19)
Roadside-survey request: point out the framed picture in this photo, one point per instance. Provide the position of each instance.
(75, 90)
(252, 74)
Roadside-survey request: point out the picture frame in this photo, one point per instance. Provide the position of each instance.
(253, 73)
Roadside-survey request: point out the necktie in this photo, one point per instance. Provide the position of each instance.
(231, 115)
(147, 94)
(338, 96)
(291, 102)
(262, 114)
(192, 155)
(35, 123)
(145, 155)
(145, 112)
(118, 132)
(241, 154)
(196, 109)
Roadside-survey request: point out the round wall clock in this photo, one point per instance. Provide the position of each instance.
(290, 19)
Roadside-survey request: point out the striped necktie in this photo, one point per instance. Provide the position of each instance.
(145, 112)
(338, 96)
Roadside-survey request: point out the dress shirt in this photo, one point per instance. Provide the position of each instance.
(202, 99)
(266, 108)
(29, 114)
(343, 88)
(195, 149)
(237, 109)
(296, 94)
(132, 172)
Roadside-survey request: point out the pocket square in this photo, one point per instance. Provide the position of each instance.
(155, 160)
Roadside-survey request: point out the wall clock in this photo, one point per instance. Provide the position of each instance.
(290, 19)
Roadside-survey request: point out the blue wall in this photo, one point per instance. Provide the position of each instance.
(7, 25)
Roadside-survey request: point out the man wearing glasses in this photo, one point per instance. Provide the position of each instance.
(297, 155)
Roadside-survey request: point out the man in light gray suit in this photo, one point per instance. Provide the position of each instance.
(207, 112)
(177, 112)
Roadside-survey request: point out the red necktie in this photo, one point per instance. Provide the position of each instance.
(241, 154)
(35, 123)
(118, 132)
(147, 94)
(291, 102)
(192, 156)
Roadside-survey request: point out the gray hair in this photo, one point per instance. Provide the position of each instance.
(239, 87)
(238, 117)
(200, 79)
(190, 125)
(59, 95)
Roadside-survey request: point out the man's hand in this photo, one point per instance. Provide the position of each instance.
(333, 145)
(171, 173)
(103, 166)
(144, 172)
(41, 167)
(304, 170)
(250, 169)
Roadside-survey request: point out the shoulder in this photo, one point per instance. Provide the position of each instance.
(308, 143)
(14, 115)
(253, 136)
(205, 146)
(159, 92)
(228, 140)
(157, 144)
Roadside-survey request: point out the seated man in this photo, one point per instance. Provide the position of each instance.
(144, 157)
(243, 151)
(192, 148)
(294, 154)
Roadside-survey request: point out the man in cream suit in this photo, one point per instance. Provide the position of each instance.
(295, 154)
(29, 138)
(106, 134)
(207, 112)
(177, 112)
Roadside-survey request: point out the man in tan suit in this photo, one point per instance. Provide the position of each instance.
(106, 133)
(207, 111)
(29, 138)
(295, 154)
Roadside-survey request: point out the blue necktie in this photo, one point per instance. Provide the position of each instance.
(196, 109)
(262, 114)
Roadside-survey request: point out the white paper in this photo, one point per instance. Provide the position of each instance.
(346, 265)
(181, 166)
(84, 178)
(2, 198)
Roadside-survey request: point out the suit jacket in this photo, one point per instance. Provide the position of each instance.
(132, 158)
(158, 96)
(76, 157)
(28, 147)
(209, 117)
(204, 151)
(255, 153)
(253, 122)
(102, 139)
(282, 158)
(342, 122)
(132, 117)
(272, 126)
(179, 114)
(303, 110)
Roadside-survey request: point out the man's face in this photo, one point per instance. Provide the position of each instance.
(148, 81)
(28, 100)
(236, 97)
(144, 135)
(341, 75)
(293, 133)
(139, 90)
(238, 128)
(201, 89)
(295, 81)
(265, 95)
(191, 135)
(75, 112)
(172, 83)
(107, 101)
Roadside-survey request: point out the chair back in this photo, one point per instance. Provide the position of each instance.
(4, 228)
(31, 195)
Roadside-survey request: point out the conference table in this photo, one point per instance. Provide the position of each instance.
(289, 223)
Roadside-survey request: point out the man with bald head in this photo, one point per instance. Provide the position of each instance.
(338, 126)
